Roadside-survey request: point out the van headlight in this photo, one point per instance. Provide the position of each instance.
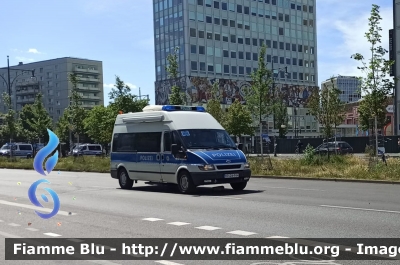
(246, 165)
(206, 167)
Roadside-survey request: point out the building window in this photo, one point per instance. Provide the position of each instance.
(241, 70)
(255, 42)
(239, 9)
(226, 69)
(233, 38)
(240, 40)
(288, 46)
(218, 68)
(202, 66)
(255, 56)
(210, 51)
(248, 55)
(248, 70)
(217, 37)
(201, 34)
(247, 41)
(202, 50)
(192, 32)
(200, 2)
(224, 22)
(234, 70)
(241, 55)
(233, 55)
(216, 21)
(224, 6)
(209, 36)
(246, 10)
(193, 48)
(208, 19)
(232, 23)
(216, 4)
(226, 53)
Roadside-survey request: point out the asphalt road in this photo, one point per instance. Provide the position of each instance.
(267, 208)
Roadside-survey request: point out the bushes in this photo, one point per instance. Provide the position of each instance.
(86, 164)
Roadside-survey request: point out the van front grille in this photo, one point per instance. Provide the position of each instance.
(229, 166)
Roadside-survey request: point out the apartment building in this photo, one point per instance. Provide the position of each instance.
(348, 85)
(219, 41)
(51, 79)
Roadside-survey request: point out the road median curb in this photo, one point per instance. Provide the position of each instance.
(331, 179)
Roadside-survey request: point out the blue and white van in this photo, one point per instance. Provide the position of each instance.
(175, 144)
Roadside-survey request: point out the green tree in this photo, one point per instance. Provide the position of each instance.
(327, 107)
(122, 99)
(99, 124)
(76, 113)
(11, 130)
(177, 97)
(238, 120)
(63, 127)
(281, 117)
(376, 84)
(35, 119)
(258, 99)
(214, 104)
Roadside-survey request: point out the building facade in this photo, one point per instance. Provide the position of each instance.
(51, 80)
(349, 86)
(219, 41)
(394, 54)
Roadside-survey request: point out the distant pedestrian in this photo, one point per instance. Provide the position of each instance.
(398, 144)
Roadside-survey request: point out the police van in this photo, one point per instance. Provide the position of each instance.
(181, 145)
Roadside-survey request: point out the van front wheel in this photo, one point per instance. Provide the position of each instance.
(185, 183)
(239, 185)
(124, 181)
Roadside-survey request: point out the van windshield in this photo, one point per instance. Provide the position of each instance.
(206, 139)
(5, 147)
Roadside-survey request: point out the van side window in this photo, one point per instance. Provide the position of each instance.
(148, 142)
(94, 148)
(25, 147)
(167, 141)
(124, 142)
(175, 139)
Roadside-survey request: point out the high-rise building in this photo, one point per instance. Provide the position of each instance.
(220, 42)
(51, 79)
(394, 51)
(349, 86)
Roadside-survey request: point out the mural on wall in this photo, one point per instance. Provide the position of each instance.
(198, 91)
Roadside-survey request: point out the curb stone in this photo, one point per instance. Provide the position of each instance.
(267, 177)
(330, 179)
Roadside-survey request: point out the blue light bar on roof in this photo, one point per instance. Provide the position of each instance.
(183, 108)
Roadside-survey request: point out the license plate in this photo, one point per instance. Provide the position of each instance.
(229, 176)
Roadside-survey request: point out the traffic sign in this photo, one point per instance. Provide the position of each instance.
(389, 108)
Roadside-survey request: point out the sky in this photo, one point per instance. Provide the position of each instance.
(120, 34)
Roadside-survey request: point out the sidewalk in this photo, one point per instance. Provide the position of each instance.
(295, 155)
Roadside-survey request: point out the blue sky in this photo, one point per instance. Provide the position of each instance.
(120, 33)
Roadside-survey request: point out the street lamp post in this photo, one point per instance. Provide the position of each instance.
(9, 85)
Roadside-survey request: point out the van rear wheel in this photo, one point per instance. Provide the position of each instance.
(239, 185)
(185, 183)
(124, 181)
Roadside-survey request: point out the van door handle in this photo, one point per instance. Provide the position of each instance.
(158, 157)
(162, 157)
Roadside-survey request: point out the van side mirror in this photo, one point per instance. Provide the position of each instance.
(174, 149)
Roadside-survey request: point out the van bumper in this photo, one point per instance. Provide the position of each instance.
(114, 173)
(210, 178)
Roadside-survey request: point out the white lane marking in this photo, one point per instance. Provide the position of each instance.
(34, 207)
(276, 237)
(12, 224)
(9, 235)
(291, 188)
(32, 229)
(152, 219)
(75, 240)
(361, 209)
(227, 197)
(241, 233)
(208, 228)
(51, 234)
(179, 223)
(166, 262)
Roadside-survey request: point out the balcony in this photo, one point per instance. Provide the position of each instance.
(85, 70)
(26, 100)
(85, 88)
(96, 80)
(95, 98)
(27, 91)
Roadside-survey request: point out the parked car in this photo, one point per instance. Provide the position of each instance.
(88, 149)
(23, 150)
(339, 147)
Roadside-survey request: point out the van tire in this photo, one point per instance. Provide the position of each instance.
(239, 185)
(124, 181)
(28, 156)
(185, 182)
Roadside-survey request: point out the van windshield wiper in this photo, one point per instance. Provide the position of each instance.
(202, 147)
(223, 146)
